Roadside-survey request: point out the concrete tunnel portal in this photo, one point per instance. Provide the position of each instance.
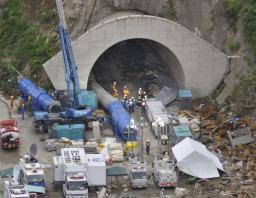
(146, 47)
(139, 63)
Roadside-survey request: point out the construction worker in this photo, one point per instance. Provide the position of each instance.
(11, 102)
(127, 105)
(115, 94)
(139, 97)
(143, 107)
(114, 86)
(30, 104)
(145, 97)
(147, 147)
(166, 156)
(123, 101)
(22, 110)
(125, 92)
(131, 105)
(20, 103)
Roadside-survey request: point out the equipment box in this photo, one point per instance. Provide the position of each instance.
(96, 170)
(89, 99)
(185, 99)
(179, 133)
(72, 132)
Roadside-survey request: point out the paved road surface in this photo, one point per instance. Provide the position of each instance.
(3, 111)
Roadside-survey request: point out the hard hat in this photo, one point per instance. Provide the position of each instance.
(124, 86)
(114, 82)
(11, 96)
(144, 92)
(132, 97)
(147, 140)
(139, 88)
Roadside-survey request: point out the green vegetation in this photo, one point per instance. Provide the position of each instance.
(233, 45)
(47, 16)
(22, 45)
(233, 7)
(246, 10)
(243, 96)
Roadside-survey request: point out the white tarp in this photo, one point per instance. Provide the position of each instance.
(194, 159)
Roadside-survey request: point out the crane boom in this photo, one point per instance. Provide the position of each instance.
(70, 68)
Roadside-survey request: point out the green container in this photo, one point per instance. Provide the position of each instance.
(89, 99)
(179, 133)
(73, 131)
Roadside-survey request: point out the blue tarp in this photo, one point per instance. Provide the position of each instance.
(121, 120)
(184, 94)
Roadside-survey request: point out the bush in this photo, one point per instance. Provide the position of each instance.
(233, 45)
(47, 16)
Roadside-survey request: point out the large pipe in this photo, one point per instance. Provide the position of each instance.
(121, 121)
(41, 100)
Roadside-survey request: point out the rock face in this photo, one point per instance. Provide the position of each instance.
(204, 16)
(2, 2)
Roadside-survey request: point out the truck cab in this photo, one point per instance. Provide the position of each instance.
(70, 170)
(138, 174)
(32, 175)
(164, 172)
(75, 186)
(14, 190)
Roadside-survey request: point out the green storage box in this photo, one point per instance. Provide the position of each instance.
(179, 133)
(73, 131)
(89, 99)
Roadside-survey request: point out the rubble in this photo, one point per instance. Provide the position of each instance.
(218, 130)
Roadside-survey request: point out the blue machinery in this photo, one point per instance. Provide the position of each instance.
(120, 119)
(70, 68)
(41, 100)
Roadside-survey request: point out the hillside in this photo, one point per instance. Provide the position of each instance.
(29, 38)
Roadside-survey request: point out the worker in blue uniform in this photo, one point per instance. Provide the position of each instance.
(22, 110)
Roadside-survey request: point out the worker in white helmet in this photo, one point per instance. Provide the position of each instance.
(147, 146)
(139, 97)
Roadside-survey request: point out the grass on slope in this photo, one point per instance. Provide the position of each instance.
(22, 45)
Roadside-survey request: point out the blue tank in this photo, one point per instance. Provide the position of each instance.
(121, 122)
(41, 100)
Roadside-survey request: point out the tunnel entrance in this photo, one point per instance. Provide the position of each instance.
(140, 63)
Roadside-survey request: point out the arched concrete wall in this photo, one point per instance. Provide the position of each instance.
(203, 65)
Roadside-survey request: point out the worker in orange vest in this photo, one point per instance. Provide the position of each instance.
(115, 94)
(126, 92)
(11, 102)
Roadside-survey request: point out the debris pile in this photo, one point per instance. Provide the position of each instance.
(232, 138)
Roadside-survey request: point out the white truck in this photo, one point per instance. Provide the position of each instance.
(77, 171)
(15, 190)
(32, 174)
(164, 172)
(158, 117)
(138, 174)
